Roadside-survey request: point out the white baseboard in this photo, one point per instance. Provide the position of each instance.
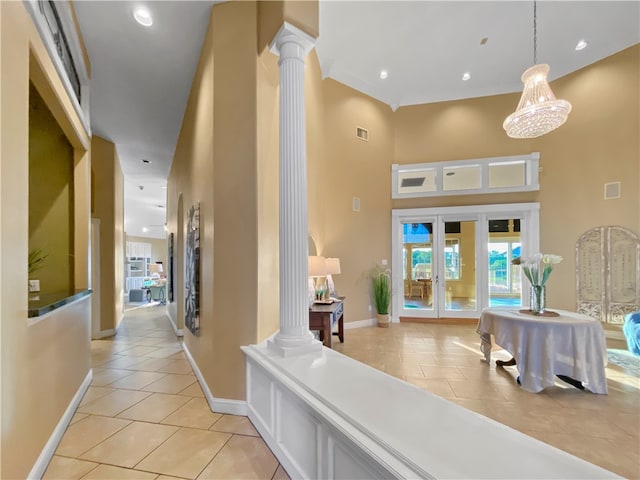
(103, 334)
(50, 448)
(218, 405)
(614, 334)
(370, 322)
(179, 331)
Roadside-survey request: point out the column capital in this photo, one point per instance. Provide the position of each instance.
(302, 42)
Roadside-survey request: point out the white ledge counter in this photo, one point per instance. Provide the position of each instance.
(329, 416)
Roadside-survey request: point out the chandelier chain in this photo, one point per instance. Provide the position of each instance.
(535, 34)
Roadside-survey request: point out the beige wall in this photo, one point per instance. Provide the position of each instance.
(50, 197)
(303, 14)
(108, 196)
(598, 144)
(227, 159)
(43, 364)
(341, 167)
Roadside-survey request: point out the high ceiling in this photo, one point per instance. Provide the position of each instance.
(141, 76)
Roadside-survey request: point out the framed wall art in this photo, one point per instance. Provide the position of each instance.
(192, 274)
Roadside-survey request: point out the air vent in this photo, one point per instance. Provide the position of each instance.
(362, 133)
(611, 190)
(412, 182)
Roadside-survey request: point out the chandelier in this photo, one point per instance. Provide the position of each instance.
(539, 111)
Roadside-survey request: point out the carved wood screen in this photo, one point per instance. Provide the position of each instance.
(608, 273)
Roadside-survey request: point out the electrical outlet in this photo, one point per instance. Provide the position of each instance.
(34, 285)
(369, 307)
(384, 261)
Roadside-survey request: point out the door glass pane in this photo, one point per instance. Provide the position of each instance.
(460, 266)
(417, 239)
(505, 289)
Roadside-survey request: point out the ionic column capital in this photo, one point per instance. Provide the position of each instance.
(291, 42)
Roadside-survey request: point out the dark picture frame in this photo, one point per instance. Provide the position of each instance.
(192, 274)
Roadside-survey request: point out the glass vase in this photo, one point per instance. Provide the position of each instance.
(538, 299)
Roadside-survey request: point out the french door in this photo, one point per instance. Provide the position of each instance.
(452, 262)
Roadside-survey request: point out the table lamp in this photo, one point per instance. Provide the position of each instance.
(155, 269)
(318, 271)
(333, 268)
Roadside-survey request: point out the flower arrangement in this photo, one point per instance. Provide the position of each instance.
(537, 270)
(538, 267)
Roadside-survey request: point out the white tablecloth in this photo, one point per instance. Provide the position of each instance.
(571, 344)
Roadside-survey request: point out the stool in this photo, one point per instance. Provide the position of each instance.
(135, 295)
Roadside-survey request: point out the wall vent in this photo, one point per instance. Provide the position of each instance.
(362, 133)
(611, 190)
(412, 182)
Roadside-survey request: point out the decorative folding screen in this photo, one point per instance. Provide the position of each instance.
(608, 273)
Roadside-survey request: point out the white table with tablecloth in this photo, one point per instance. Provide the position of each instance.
(570, 344)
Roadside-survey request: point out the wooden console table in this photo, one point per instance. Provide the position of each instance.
(324, 317)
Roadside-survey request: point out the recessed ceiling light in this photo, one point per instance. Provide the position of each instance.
(144, 160)
(383, 74)
(466, 76)
(145, 229)
(581, 44)
(143, 16)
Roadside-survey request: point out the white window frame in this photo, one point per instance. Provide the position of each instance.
(71, 33)
(435, 171)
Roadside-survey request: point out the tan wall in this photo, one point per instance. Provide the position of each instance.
(598, 144)
(50, 197)
(349, 167)
(268, 269)
(118, 240)
(232, 114)
(44, 364)
(303, 14)
(108, 207)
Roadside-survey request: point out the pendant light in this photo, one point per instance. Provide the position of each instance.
(539, 111)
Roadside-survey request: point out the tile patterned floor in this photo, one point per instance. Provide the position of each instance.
(145, 417)
(446, 360)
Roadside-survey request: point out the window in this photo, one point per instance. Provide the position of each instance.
(452, 259)
(517, 173)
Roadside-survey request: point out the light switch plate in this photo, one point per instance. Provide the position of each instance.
(34, 285)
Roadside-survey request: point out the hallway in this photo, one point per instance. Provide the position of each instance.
(145, 417)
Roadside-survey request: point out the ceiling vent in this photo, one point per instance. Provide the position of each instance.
(412, 182)
(362, 133)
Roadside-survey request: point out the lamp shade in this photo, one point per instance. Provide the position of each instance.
(155, 268)
(317, 266)
(333, 266)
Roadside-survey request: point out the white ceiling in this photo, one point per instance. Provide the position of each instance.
(141, 76)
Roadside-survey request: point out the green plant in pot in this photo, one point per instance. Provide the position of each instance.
(381, 287)
(36, 260)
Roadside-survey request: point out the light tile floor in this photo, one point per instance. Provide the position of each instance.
(145, 416)
(446, 360)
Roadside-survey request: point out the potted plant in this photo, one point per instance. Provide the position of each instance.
(381, 286)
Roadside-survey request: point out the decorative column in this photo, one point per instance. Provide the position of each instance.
(292, 45)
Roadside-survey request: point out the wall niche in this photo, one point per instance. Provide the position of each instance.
(51, 198)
